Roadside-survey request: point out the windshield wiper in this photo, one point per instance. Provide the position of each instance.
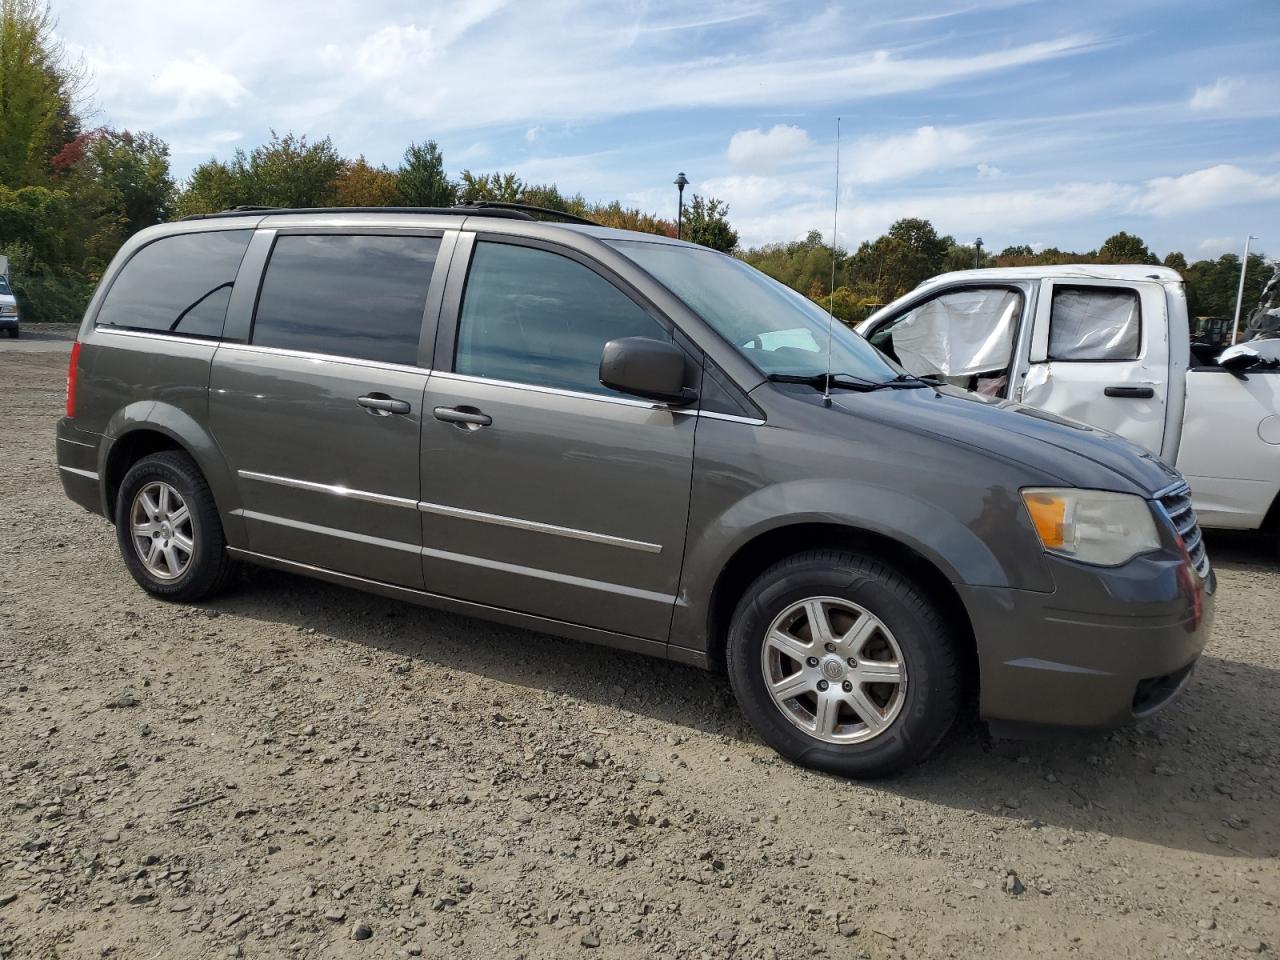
(847, 381)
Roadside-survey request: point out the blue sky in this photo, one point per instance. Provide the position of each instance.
(1046, 123)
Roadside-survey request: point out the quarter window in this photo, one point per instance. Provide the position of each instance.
(349, 296)
(531, 316)
(178, 284)
(1094, 323)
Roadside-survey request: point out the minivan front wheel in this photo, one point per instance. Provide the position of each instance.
(843, 664)
(168, 529)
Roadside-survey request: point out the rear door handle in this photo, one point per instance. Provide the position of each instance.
(467, 416)
(1131, 393)
(382, 405)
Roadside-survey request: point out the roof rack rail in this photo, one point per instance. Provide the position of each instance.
(474, 208)
(527, 208)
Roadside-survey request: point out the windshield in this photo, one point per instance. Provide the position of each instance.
(4, 287)
(777, 329)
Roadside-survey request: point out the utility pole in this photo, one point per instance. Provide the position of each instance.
(977, 253)
(1244, 265)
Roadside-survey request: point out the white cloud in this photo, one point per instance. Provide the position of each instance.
(391, 53)
(197, 86)
(1217, 246)
(894, 158)
(764, 151)
(1221, 185)
(533, 133)
(987, 171)
(1215, 96)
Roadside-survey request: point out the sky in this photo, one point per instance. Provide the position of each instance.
(1023, 122)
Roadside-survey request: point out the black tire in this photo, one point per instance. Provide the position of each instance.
(13, 333)
(210, 567)
(928, 651)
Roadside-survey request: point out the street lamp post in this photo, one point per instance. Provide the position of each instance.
(1244, 265)
(977, 253)
(681, 181)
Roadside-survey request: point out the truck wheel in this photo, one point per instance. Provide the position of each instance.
(13, 333)
(169, 531)
(842, 664)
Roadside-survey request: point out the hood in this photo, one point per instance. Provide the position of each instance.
(1071, 453)
(8, 299)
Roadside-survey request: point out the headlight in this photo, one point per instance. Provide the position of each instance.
(1092, 526)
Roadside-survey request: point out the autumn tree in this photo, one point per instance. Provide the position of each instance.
(359, 184)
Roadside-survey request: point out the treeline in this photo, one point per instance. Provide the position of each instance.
(70, 195)
(882, 270)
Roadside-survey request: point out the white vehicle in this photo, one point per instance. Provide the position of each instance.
(1108, 346)
(9, 320)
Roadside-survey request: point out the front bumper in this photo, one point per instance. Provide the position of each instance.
(9, 321)
(1109, 645)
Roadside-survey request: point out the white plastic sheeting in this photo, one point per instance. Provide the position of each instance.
(959, 334)
(1091, 324)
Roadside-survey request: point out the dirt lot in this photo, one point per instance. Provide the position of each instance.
(304, 771)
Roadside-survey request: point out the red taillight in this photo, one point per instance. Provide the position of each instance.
(71, 379)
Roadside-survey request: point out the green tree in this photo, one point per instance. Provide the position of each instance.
(421, 178)
(290, 172)
(133, 171)
(1176, 261)
(706, 222)
(499, 187)
(213, 186)
(910, 253)
(1125, 248)
(38, 86)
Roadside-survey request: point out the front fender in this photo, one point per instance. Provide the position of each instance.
(184, 430)
(971, 540)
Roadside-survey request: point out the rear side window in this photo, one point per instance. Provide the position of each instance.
(1094, 323)
(531, 316)
(349, 296)
(178, 284)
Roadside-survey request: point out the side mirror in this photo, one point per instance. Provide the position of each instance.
(652, 369)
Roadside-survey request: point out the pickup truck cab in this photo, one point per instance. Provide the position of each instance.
(1108, 346)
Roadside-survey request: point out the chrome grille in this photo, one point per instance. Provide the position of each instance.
(1176, 502)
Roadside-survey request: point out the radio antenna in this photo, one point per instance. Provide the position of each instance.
(831, 299)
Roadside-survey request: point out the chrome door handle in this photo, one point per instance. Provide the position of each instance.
(467, 416)
(382, 405)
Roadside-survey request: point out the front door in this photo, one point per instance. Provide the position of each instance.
(542, 490)
(1100, 355)
(320, 413)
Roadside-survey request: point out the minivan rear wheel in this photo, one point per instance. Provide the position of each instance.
(840, 662)
(168, 529)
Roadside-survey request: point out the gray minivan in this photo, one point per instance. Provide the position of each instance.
(634, 441)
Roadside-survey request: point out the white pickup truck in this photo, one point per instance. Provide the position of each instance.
(1108, 346)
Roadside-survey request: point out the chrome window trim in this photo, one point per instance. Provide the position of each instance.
(88, 474)
(334, 489)
(534, 526)
(114, 331)
(327, 357)
(554, 391)
(728, 417)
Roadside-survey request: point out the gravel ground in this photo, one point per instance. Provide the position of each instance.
(300, 770)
